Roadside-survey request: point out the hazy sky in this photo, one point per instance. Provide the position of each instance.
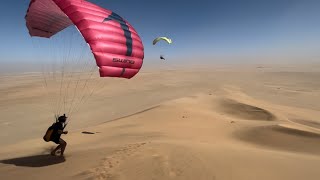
(198, 28)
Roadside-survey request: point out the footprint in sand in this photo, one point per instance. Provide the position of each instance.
(108, 164)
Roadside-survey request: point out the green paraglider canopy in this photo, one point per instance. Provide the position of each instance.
(168, 40)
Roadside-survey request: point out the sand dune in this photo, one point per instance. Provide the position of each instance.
(245, 111)
(176, 127)
(309, 123)
(283, 138)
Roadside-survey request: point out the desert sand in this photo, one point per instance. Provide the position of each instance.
(221, 122)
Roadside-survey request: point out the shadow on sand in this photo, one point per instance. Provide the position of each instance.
(35, 161)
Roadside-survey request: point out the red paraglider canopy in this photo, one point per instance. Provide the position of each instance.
(115, 44)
